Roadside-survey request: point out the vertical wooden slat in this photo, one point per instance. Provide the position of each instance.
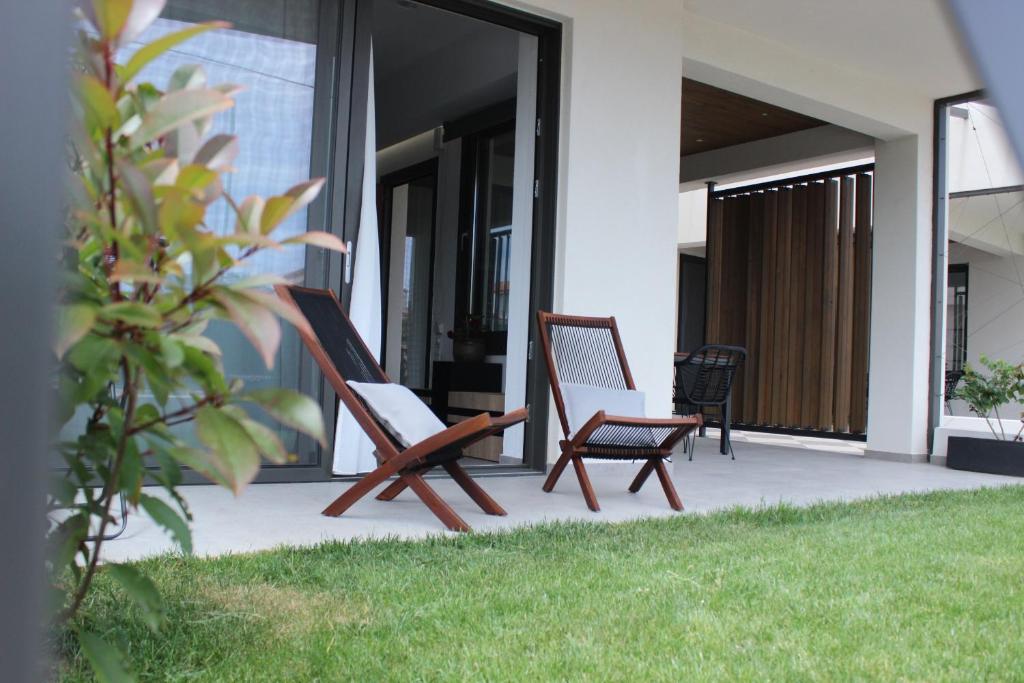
(844, 309)
(829, 291)
(767, 312)
(734, 273)
(714, 273)
(755, 237)
(861, 306)
(781, 309)
(813, 248)
(795, 356)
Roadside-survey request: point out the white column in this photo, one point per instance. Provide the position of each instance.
(900, 299)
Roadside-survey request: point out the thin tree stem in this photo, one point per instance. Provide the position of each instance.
(109, 491)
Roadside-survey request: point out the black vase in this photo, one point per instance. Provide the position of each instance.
(469, 350)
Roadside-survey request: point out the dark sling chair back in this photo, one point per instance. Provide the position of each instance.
(583, 350)
(342, 355)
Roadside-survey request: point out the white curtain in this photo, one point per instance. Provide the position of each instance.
(353, 450)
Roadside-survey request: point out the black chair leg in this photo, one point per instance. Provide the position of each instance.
(723, 444)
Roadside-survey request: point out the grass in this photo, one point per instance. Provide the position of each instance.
(919, 587)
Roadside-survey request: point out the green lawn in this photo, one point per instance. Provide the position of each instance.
(923, 587)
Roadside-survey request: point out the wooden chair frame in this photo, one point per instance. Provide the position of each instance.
(407, 464)
(576, 447)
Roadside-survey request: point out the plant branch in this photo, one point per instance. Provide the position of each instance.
(167, 418)
(201, 288)
(131, 389)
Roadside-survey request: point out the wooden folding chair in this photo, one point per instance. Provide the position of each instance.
(582, 350)
(341, 354)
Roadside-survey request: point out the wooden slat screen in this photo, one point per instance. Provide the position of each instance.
(789, 278)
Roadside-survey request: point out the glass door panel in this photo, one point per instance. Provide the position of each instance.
(410, 208)
(271, 51)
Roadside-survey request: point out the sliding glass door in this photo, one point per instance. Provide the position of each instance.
(278, 52)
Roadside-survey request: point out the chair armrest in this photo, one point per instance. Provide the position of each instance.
(458, 435)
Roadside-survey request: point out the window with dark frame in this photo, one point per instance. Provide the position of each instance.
(956, 317)
(485, 232)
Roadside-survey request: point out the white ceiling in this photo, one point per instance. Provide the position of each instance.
(910, 42)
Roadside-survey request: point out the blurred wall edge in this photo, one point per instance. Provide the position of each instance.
(34, 39)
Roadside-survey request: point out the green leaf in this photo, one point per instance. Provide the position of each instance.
(73, 323)
(187, 77)
(204, 371)
(266, 440)
(164, 515)
(200, 182)
(281, 207)
(233, 451)
(249, 214)
(170, 349)
(199, 461)
(317, 238)
(140, 195)
(142, 591)
(177, 109)
(97, 102)
(151, 51)
(134, 314)
(218, 153)
(291, 408)
(106, 660)
(133, 271)
(254, 320)
(109, 16)
(143, 14)
(277, 305)
(204, 344)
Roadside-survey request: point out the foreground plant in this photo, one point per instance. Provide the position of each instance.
(985, 394)
(143, 277)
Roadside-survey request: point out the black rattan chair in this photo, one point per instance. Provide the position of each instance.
(704, 379)
(953, 378)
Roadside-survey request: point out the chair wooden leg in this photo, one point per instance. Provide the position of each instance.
(556, 471)
(396, 487)
(357, 491)
(475, 491)
(588, 490)
(441, 509)
(666, 483)
(641, 477)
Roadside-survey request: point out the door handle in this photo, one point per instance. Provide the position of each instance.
(348, 262)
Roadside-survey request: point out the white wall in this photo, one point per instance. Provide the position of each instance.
(619, 176)
(693, 218)
(980, 155)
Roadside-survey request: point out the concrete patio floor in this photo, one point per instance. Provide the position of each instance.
(270, 515)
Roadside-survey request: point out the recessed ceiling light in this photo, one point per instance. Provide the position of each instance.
(764, 113)
(700, 139)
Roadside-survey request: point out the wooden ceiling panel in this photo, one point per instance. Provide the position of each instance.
(714, 118)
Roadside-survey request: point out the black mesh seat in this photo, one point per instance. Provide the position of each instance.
(704, 379)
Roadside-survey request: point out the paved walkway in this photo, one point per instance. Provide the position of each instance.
(269, 515)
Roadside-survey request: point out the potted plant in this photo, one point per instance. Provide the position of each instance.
(468, 342)
(985, 394)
